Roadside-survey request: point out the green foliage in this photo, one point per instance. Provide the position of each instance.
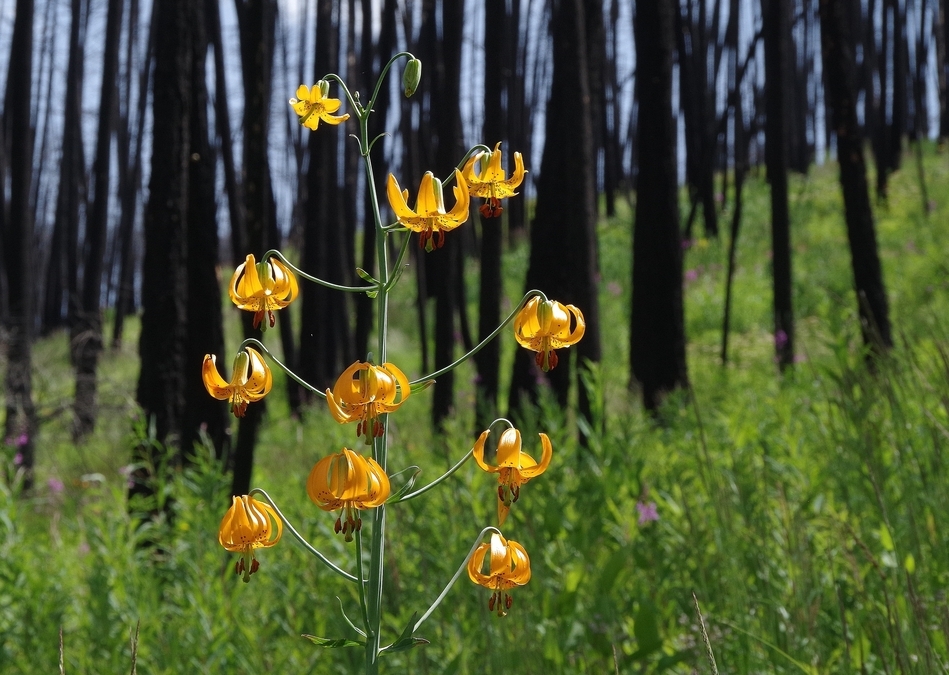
(808, 513)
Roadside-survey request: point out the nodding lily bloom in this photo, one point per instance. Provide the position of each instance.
(248, 525)
(251, 380)
(491, 182)
(365, 391)
(509, 566)
(429, 217)
(263, 287)
(514, 468)
(312, 105)
(350, 482)
(544, 325)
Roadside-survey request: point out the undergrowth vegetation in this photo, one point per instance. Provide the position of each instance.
(808, 513)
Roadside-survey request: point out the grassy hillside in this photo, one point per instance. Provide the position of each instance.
(807, 513)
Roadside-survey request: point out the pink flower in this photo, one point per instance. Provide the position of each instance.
(647, 512)
(55, 485)
(780, 339)
(22, 440)
(691, 275)
(18, 459)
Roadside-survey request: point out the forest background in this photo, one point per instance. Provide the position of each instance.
(785, 464)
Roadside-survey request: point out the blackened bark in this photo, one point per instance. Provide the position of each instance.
(71, 172)
(205, 328)
(563, 257)
(130, 183)
(373, 59)
(165, 270)
(861, 233)
(657, 330)
(487, 361)
(776, 158)
(20, 423)
(519, 114)
(443, 265)
(326, 345)
(86, 326)
(257, 21)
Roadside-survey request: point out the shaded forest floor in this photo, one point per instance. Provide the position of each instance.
(808, 513)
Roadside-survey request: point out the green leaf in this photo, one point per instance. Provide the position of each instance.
(372, 294)
(885, 538)
(406, 639)
(365, 276)
(405, 489)
(403, 644)
(329, 643)
(646, 629)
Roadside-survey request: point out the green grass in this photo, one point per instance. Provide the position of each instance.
(808, 513)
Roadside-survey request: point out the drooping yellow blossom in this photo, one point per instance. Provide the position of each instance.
(312, 105)
(348, 481)
(429, 217)
(251, 380)
(248, 525)
(509, 566)
(365, 391)
(544, 325)
(487, 179)
(263, 287)
(514, 468)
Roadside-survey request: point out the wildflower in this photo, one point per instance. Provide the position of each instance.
(514, 467)
(429, 217)
(248, 525)
(347, 481)
(509, 566)
(55, 485)
(491, 182)
(780, 339)
(312, 105)
(263, 287)
(647, 512)
(365, 391)
(544, 325)
(251, 380)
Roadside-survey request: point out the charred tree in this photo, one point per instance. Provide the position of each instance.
(326, 345)
(488, 360)
(130, 174)
(86, 325)
(776, 158)
(20, 423)
(257, 22)
(563, 258)
(861, 232)
(657, 327)
(61, 273)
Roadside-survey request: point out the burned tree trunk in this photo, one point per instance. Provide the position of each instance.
(20, 423)
(657, 327)
(861, 232)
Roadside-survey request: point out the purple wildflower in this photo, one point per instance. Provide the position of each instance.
(647, 512)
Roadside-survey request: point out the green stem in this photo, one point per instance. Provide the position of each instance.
(461, 568)
(481, 345)
(444, 476)
(328, 284)
(362, 586)
(303, 383)
(307, 545)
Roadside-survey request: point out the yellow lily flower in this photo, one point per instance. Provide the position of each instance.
(248, 525)
(348, 481)
(491, 182)
(365, 391)
(251, 380)
(429, 217)
(312, 105)
(509, 566)
(263, 287)
(514, 467)
(544, 325)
